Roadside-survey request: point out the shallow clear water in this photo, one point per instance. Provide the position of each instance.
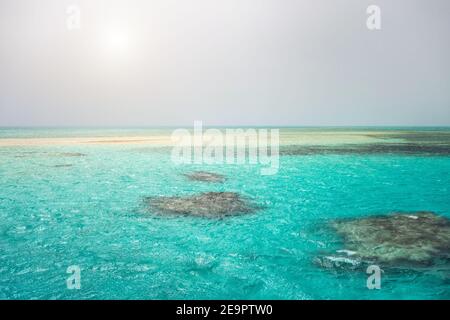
(92, 214)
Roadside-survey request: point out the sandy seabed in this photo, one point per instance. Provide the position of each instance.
(287, 137)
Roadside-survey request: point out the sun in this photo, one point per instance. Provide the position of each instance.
(116, 43)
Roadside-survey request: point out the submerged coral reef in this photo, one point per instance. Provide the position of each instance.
(205, 176)
(419, 238)
(372, 148)
(209, 205)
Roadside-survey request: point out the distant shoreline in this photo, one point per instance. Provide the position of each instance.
(10, 142)
(159, 137)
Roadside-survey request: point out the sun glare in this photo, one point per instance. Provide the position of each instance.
(116, 43)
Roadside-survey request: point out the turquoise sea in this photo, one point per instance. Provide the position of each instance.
(83, 205)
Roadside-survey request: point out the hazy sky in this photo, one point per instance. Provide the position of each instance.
(225, 62)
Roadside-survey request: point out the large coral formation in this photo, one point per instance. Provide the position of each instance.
(396, 239)
(209, 205)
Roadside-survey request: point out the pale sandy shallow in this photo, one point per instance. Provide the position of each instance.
(153, 140)
(287, 137)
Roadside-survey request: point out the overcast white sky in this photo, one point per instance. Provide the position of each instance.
(225, 62)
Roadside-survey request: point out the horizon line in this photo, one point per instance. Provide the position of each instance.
(210, 126)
